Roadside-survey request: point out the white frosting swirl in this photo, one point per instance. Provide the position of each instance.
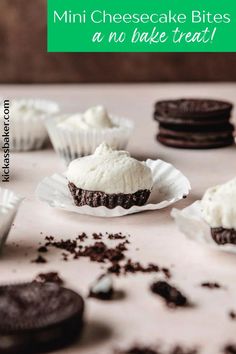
(110, 171)
(31, 108)
(94, 118)
(219, 205)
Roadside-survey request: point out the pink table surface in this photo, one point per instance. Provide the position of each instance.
(141, 316)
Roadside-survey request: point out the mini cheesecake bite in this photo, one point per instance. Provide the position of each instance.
(109, 178)
(219, 211)
(79, 134)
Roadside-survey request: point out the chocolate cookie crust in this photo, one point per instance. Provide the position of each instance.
(190, 108)
(95, 198)
(223, 236)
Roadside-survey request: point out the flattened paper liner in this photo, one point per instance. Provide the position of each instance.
(170, 186)
(9, 204)
(71, 144)
(191, 223)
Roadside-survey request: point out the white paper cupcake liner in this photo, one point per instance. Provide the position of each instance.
(72, 144)
(191, 223)
(9, 204)
(29, 133)
(170, 186)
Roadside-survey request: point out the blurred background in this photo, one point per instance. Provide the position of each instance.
(24, 57)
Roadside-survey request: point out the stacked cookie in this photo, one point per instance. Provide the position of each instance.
(194, 123)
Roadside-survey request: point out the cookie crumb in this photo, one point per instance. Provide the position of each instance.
(211, 285)
(42, 249)
(39, 259)
(232, 315)
(172, 296)
(82, 237)
(51, 277)
(230, 349)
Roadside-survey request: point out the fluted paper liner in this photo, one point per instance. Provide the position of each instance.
(71, 144)
(9, 204)
(170, 186)
(191, 223)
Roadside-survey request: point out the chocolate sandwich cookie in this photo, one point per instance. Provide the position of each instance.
(193, 109)
(223, 236)
(201, 128)
(184, 121)
(36, 318)
(194, 123)
(196, 141)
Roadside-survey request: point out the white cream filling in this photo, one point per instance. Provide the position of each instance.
(110, 171)
(94, 118)
(31, 108)
(219, 205)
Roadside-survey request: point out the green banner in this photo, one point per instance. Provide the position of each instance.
(141, 26)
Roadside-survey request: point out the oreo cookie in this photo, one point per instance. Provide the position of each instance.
(193, 109)
(194, 123)
(195, 142)
(36, 317)
(223, 236)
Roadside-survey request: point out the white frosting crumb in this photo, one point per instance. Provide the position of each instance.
(110, 171)
(94, 118)
(102, 285)
(219, 205)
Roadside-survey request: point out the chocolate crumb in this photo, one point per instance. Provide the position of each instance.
(66, 245)
(138, 350)
(117, 236)
(49, 238)
(134, 267)
(115, 268)
(232, 315)
(99, 252)
(150, 350)
(166, 272)
(64, 256)
(51, 277)
(230, 349)
(97, 236)
(39, 259)
(42, 249)
(172, 296)
(180, 350)
(82, 237)
(211, 285)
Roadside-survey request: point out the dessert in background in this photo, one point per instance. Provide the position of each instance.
(27, 130)
(219, 211)
(79, 134)
(109, 178)
(194, 123)
(36, 318)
